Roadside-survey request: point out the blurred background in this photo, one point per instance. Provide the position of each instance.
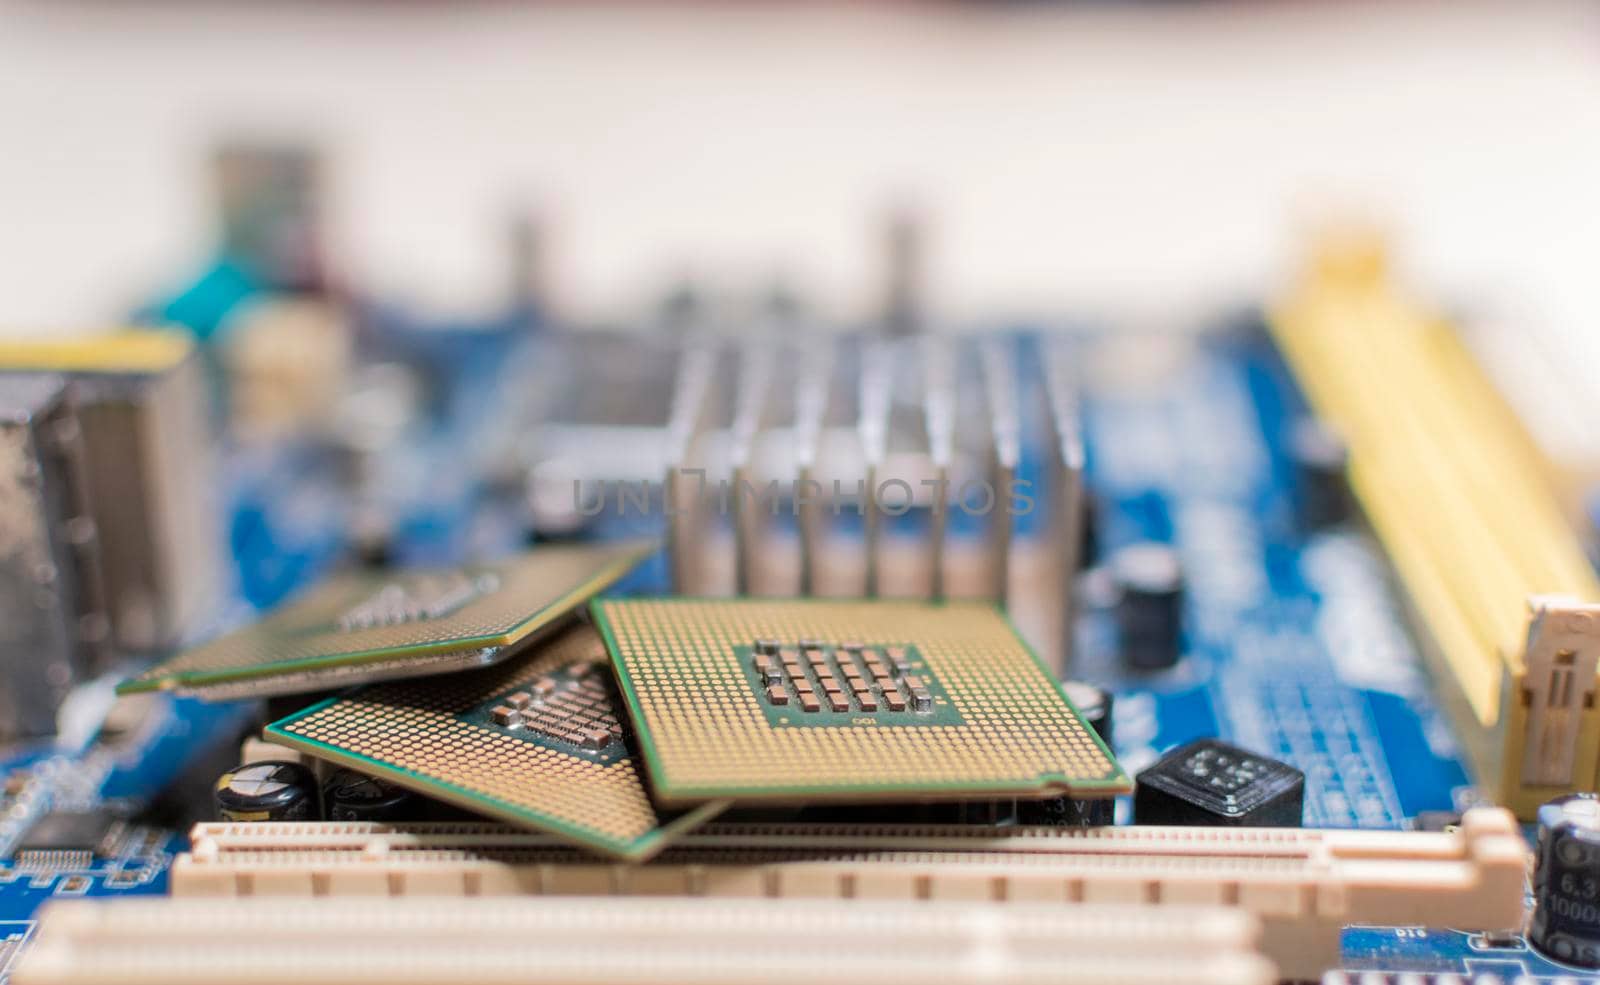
(1137, 161)
(1066, 155)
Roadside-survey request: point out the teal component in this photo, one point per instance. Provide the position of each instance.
(204, 307)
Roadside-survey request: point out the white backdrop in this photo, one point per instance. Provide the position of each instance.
(1134, 158)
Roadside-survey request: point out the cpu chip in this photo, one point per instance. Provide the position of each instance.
(808, 700)
(362, 628)
(539, 741)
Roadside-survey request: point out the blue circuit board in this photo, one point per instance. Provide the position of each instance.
(1295, 642)
(121, 775)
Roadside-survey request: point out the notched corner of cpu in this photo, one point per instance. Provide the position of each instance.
(1077, 788)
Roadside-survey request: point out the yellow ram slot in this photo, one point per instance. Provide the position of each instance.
(1460, 497)
(134, 350)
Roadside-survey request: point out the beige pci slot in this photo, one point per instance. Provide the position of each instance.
(1304, 885)
(586, 941)
(1503, 594)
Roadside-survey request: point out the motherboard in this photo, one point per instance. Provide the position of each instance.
(1259, 649)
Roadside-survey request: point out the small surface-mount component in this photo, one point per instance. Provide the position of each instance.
(1321, 467)
(267, 791)
(1149, 580)
(1089, 546)
(365, 627)
(52, 629)
(1305, 885)
(973, 715)
(1436, 820)
(639, 941)
(351, 796)
(1209, 782)
(560, 763)
(68, 839)
(1566, 881)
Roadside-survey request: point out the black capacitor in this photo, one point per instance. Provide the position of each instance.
(969, 812)
(372, 539)
(352, 796)
(1566, 880)
(1149, 579)
(1066, 812)
(372, 552)
(1321, 464)
(267, 791)
(1094, 706)
(1210, 783)
(1089, 533)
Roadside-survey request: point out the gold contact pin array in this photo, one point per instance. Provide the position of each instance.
(1462, 502)
(536, 740)
(973, 715)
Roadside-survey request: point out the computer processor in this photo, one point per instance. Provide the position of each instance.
(539, 741)
(361, 628)
(809, 700)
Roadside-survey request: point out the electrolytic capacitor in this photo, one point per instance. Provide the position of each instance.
(1149, 580)
(1566, 880)
(352, 796)
(267, 791)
